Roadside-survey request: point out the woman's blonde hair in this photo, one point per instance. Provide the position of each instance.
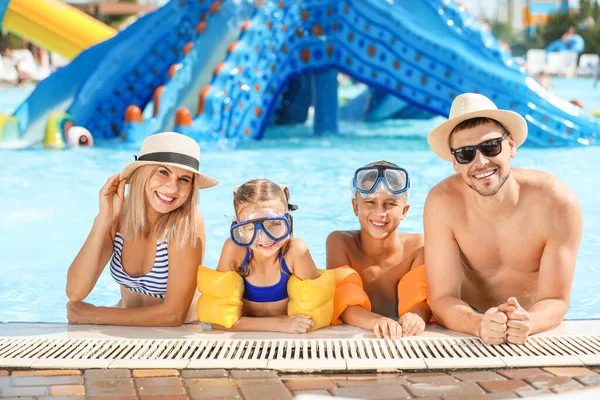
(260, 191)
(179, 223)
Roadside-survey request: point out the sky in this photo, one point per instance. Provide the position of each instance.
(488, 7)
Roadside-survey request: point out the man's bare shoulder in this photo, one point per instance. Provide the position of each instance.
(444, 197)
(545, 189)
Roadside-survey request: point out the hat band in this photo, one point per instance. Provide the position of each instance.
(172, 158)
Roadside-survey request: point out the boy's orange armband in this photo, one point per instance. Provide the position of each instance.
(348, 292)
(412, 290)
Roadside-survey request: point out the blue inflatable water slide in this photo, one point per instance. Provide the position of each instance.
(225, 70)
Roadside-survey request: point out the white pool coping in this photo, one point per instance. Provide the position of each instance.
(341, 347)
(195, 331)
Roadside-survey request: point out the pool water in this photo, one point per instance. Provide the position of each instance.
(48, 200)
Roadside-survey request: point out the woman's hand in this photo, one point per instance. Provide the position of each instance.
(79, 312)
(296, 324)
(412, 324)
(387, 328)
(112, 197)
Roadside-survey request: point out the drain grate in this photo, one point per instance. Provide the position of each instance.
(298, 354)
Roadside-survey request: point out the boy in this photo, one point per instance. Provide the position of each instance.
(381, 257)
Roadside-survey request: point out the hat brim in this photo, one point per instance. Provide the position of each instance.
(204, 181)
(514, 123)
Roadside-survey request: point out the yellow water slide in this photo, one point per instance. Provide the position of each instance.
(55, 25)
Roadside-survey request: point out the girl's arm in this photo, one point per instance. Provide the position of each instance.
(280, 323)
(181, 285)
(300, 261)
(95, 252)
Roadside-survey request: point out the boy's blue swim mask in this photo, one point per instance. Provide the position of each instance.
(366, 179)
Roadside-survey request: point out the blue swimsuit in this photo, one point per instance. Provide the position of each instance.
(266, 294)
(154, 283)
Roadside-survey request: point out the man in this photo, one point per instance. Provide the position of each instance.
(500, 243)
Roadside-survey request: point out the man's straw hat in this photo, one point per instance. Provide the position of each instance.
(473, 105)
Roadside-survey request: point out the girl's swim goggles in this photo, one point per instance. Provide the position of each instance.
(276, 228)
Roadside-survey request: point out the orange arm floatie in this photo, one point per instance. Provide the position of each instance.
(412, 290)
(348, 292)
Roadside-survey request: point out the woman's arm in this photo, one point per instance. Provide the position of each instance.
(95, 252)
(181, 285)
(301, 262)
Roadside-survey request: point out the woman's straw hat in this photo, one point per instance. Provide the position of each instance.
(473, 105)
(170, 148)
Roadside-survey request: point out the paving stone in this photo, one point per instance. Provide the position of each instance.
(381, 377)
(113, 398)
(162, 381)
(207, 382)
(450, 389)
(204, 373)
(553, 382)
(4, 381)
(152, 373)
(67, 390)
(110, 387)
(380, 392)
(434, 378)
(173, 397)
(19, 398)
(107, 373)
(367, 382)
(161, 390)
(45, 380)
(316, 392)
(570, 371)
(534, 393)
(297, 385)
(61, 398)
(253, 374)
(109, 383)
(25, 391)
(254, 382)
(522, 373)
(487, 396)
(214, 392)
(266, 392)
(511, 385)
(478, 376)
(46, 372)
(567, 389)
(592, 380)
(3, 372)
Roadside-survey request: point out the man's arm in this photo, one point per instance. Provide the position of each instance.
(557, 265)
(443, 268)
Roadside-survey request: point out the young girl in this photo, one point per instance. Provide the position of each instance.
(154, 238)
(261, 249)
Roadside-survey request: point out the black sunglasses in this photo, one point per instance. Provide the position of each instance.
(489, 148)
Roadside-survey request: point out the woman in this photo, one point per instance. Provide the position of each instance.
(154, 238)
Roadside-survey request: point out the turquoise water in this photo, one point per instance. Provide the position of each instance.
(48, 200)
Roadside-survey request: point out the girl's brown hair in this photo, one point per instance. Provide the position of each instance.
(260, 191)
(180, 223)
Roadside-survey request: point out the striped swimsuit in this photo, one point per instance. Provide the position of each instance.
(154, 283)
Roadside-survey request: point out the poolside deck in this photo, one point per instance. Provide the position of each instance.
(187, 363)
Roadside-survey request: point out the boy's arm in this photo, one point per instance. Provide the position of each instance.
(336, 250)
(382, 326)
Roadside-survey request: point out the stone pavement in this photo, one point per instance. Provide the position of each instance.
(171, 384)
